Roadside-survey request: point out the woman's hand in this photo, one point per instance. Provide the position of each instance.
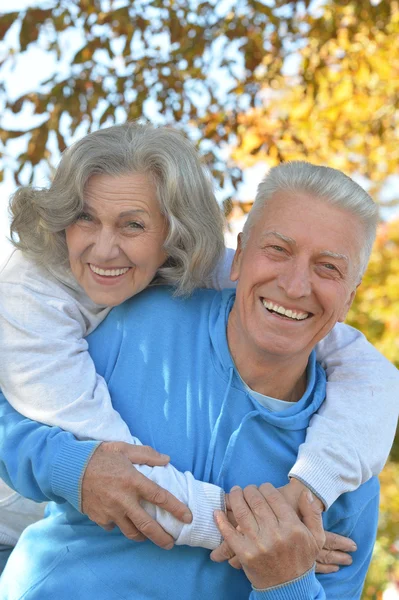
(112, 489)
(272, 544)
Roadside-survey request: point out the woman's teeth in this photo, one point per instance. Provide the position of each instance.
(291, 314)
(108, 272)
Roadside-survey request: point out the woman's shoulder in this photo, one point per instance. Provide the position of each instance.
(20, 268)
(24, 274)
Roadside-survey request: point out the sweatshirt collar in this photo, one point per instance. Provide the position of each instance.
(316, 379)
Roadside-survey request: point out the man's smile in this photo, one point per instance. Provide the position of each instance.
(294, 314)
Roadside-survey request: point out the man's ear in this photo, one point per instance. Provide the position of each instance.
(348, 304)
(236, 264)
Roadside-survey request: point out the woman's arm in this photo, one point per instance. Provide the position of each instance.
(350, 437)
(46, 463)
(54, 381)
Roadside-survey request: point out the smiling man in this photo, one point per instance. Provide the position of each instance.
(297, 267)
(231, 382)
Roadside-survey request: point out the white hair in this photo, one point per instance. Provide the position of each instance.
(195, 241)
(326, 184)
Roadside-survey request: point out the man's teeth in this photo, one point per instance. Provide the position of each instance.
(109, 272)
(299, 316)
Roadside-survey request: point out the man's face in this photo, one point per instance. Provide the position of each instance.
(296, 276)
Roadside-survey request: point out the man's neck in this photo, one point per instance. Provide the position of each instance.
(279, 377)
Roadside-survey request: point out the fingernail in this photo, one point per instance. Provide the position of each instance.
(187, 517)
(353, 547)
(310, 496)
(169, 546)
(235, 488)
(218, 516)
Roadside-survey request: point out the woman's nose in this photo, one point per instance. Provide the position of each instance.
(105, 246)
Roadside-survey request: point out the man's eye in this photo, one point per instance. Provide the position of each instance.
(278, 248)
(330, 267)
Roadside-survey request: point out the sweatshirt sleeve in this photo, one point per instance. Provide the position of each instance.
(46, 372)
(46, 463)
(306, 587)
(54, 381)
(350, 437)
(220, 278)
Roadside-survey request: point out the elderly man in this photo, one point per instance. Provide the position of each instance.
(231, 382)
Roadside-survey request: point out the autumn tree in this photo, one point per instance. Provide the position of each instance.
(341, 105)
(221, 72)
(173, 61)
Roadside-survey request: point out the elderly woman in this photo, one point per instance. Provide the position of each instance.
(131, 206)
(230, 387)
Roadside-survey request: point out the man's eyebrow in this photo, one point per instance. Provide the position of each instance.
(335, 255)
(280, 236)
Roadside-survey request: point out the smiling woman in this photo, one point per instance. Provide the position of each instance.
(129, 206)
(127, 165)
(116, 246)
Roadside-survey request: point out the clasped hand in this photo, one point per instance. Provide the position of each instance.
(112, 489)
(263, 525)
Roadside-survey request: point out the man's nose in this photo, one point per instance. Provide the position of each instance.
(295, 280)
(105, 246)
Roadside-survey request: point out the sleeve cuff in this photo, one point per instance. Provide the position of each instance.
(304, 587)
(69, 467)
(318, 476)
(203, 530)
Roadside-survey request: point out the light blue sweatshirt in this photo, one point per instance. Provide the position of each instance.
(198, 411)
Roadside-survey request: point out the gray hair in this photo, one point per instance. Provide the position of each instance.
(194, 243)
(330, 186)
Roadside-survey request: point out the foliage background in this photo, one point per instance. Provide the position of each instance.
(249, 81)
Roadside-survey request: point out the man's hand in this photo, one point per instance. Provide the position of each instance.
(112, 489)
(272, 544)
(333, 554)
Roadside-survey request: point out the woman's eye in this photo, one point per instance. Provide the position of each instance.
(84, 217)
(134, 225)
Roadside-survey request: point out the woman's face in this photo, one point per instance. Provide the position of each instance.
(115, 246)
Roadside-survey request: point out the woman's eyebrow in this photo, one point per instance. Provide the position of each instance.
(134, 211)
